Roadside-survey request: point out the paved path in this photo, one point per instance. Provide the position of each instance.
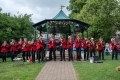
(58, 70)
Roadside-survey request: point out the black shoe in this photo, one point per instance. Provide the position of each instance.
(60, 60)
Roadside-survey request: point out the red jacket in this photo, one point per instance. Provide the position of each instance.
(4, 48)
(13, 47)
(63, 44)
(20, 45)
(33, 46)
(70, 44)
(25, 46)
(78, 43)
(92, 46)
(52, 45)
(100, 46)
(112, 46)
(40, 44)
(85, 44)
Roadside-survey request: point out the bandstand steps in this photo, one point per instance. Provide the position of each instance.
(58, 55)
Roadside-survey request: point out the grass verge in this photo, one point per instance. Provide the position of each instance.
(19, 70)
(98, 71)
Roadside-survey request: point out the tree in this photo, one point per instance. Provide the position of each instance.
(102, 15)
(17, 26)
(75, 7)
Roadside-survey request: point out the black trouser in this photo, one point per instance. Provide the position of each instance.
(50, 54)
(62, 53)
(39, 52)
(86, 53)
(19, 51)
(33, 55)
(4, 56)
(25, 53)
(12, 55)
(78, 51)
(92, 52)
(114, 52)
(101, 52)
(29, 54)
(43, 54)
(70, 54)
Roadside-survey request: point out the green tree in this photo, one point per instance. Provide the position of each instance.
(102, 15)
(17, 26)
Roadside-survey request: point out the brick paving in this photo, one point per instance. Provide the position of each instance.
(57, 70)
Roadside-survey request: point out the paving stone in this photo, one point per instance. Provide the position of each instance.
(57, 70)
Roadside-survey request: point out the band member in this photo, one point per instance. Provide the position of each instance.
(62, 43)
(33, 49)
(20, 42)
(52, 47)
(29, 49)
(78, 47)
(113, 45)
(4, 50)
(92, 47)
(100, 45)
(70, 48)
(86, 48)
(25, 49)
(40, 48)
(13, 48)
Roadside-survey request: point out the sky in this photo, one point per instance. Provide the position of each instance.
(41, 9)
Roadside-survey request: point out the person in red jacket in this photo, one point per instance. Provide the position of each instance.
(52, 47)
(70, 43)
(113, 45)
(33, 49)
(62, 43)
(25, 49)
(40, 48)
(29, 49)
(13, 48)
(92, 47)
(78, 47)
(20, 42)
(100, 45)
(4, 50)
(86, 48)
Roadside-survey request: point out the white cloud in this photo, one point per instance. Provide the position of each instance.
(41, 9)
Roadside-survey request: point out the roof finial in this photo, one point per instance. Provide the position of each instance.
(61, 7)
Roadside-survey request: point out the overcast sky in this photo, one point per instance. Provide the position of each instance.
(41, 9)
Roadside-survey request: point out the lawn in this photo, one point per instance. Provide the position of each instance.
(98, 71)
(19, 70)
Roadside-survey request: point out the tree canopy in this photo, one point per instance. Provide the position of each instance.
(15, 27)
(102, 15)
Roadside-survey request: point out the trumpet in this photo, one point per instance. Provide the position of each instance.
(20, 42)
(114, 42)
(12, 43)
(4, 44)
(23, 45)
(32, 43)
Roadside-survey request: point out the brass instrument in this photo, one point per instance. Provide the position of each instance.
(115, 43)
(4, 44)
(20, 42)
(23, 46)
(12, 43)
(31, 43)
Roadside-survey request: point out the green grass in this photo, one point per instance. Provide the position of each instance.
(98, 71)
(19, 70)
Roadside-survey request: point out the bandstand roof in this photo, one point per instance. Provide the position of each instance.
(59, 19)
